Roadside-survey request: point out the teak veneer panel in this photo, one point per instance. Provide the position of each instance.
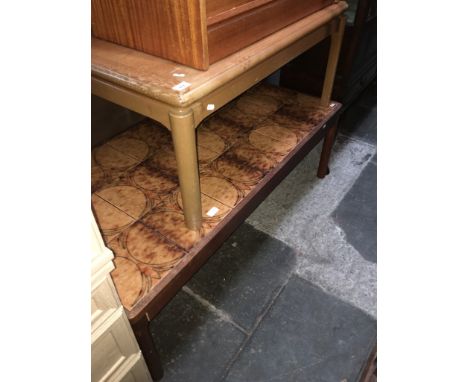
(237, 32)
(196, 33)
(219, 10)
(154, 78)
(173, 29)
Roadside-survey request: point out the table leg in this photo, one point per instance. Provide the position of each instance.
(184, 138)
(328, 141)
(333, 55)
(148, 350)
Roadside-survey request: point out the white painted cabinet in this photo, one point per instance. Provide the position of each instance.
(115, 355)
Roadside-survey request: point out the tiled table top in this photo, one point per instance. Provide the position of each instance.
(135, 194)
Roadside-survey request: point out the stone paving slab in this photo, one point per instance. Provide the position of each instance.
(357, 214)
(298, 212)
(195, 344)
(307, 335)
(244, 274)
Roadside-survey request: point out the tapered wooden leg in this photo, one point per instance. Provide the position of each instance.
(150, 354)
(184, 138)
(333, 55)
(326, 151)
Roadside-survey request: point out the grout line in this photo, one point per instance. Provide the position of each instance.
(111, 204)
(218, 312)
(254, 328)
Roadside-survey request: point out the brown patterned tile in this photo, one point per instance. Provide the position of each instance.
(271, 145)
(246, 153)
(143, 258)
(300, 128)
(110, 219)
(154, 134)
(304, 114)
(228, 130)
(126, 198)
(213, 211)
(134, 176)
(273, 130)
(220, 189)
(135, 148)
(165, 160)
(147, 247)
(152, 180)
(130, 283)
(98, 175)
(210, 140)
(257, 105)
(108, 158)
(236, 171)
(171, 225)
(283, 95)
(205, 155)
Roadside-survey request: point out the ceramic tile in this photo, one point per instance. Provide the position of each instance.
(135, 148)
(165, 160)
(220, 189)
(152, 180)
(225, 128)
(98, 175)
(247, 153)
(143, 258)
(300, 128)
(271, 145)
(110, 219)
(171, 224)
(257, 105)
(210, 140)
(237, 171)
(108, 158)
(128, 199)
(108, 164)
(299, 112)
(271, 129)
(134, 178)
(152, 133)
(282, 95)
(244, 121)
(206, 155)
(213, 211)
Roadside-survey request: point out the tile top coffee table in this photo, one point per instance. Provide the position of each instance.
(180, 97)
(167, 194)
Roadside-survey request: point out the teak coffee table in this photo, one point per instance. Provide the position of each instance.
(248, 145)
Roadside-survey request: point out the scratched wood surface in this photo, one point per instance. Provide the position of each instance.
(155, 77)
(173, 29)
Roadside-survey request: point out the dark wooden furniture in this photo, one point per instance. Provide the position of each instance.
(195, 32)
(180, 98)
(357, 66)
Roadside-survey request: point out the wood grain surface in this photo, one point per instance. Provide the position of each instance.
(173, 29)
(219, 10)
(155, 77)
(243, 29)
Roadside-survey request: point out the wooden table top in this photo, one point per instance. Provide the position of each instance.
(179, 85)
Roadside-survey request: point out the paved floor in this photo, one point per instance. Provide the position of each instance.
(291, 296)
